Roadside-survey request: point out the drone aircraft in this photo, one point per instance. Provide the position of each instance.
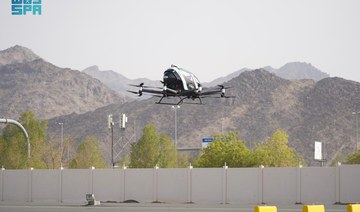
(178, 82)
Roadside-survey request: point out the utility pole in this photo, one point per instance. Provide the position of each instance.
(116, 145)
(175, 108)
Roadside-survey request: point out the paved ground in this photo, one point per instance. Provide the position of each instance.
(142, 207)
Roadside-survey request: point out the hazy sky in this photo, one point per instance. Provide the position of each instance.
(211, 38)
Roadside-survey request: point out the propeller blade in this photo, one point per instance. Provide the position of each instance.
(219, 97)
(138, 86)
(223, 87)
(137, 93)
(143, 86)
(134, 92)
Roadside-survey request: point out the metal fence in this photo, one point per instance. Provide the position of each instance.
(308, 185)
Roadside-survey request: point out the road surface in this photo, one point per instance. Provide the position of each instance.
(146, 207)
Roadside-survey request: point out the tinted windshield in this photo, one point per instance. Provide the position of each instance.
(191, 81)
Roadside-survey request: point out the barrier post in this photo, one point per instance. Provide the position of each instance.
(60, 184)
(30, 173)
(155, 184)
(353, 208)
(313, 208)
(224, 191)
(189, 184)
(298, 184)
(261, 185)
(2, 183)
(337, 182)
(265, 209)
(91, 181)
(124, 182)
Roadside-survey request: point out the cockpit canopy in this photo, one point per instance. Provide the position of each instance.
(179, 79)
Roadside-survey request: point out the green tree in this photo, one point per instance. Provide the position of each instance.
(88, 154)
(14, 144)
(153, 149)
(124, 161)
(226, 148)
(339, 158)
(353, 158)
(275, 152)
(168, 157)
(54, 155)
(2, 150)
(184, 159)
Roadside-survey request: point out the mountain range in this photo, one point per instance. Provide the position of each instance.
(307, 110)
(318, 109)
(291, 71)
(117, 81)
(28, 82)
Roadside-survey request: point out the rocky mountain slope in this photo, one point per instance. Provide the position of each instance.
(298, 70)
(17, 54)
(291, 71)
(28, 83)
(117, 81)
(307, 110)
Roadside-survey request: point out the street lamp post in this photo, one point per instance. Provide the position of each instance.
(175, 108)
(357, 129)
(61, 143)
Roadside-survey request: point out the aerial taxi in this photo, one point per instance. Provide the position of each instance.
(182, 84)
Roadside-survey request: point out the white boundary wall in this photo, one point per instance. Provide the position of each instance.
(349, 184)
(310, 185)
(324, 179)
(279, 185)
(243, 185)
(172, 186)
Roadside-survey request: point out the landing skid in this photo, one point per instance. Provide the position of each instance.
(181, 101)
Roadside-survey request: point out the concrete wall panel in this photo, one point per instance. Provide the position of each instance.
(349, 184)
(279, 185)
(16, 185)
(1, 184)
(75, 185)
(207, 185)
(108, 184)
(139, 185)
(170, 180)
(242, 186)
(45, 185)
(318, 185)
